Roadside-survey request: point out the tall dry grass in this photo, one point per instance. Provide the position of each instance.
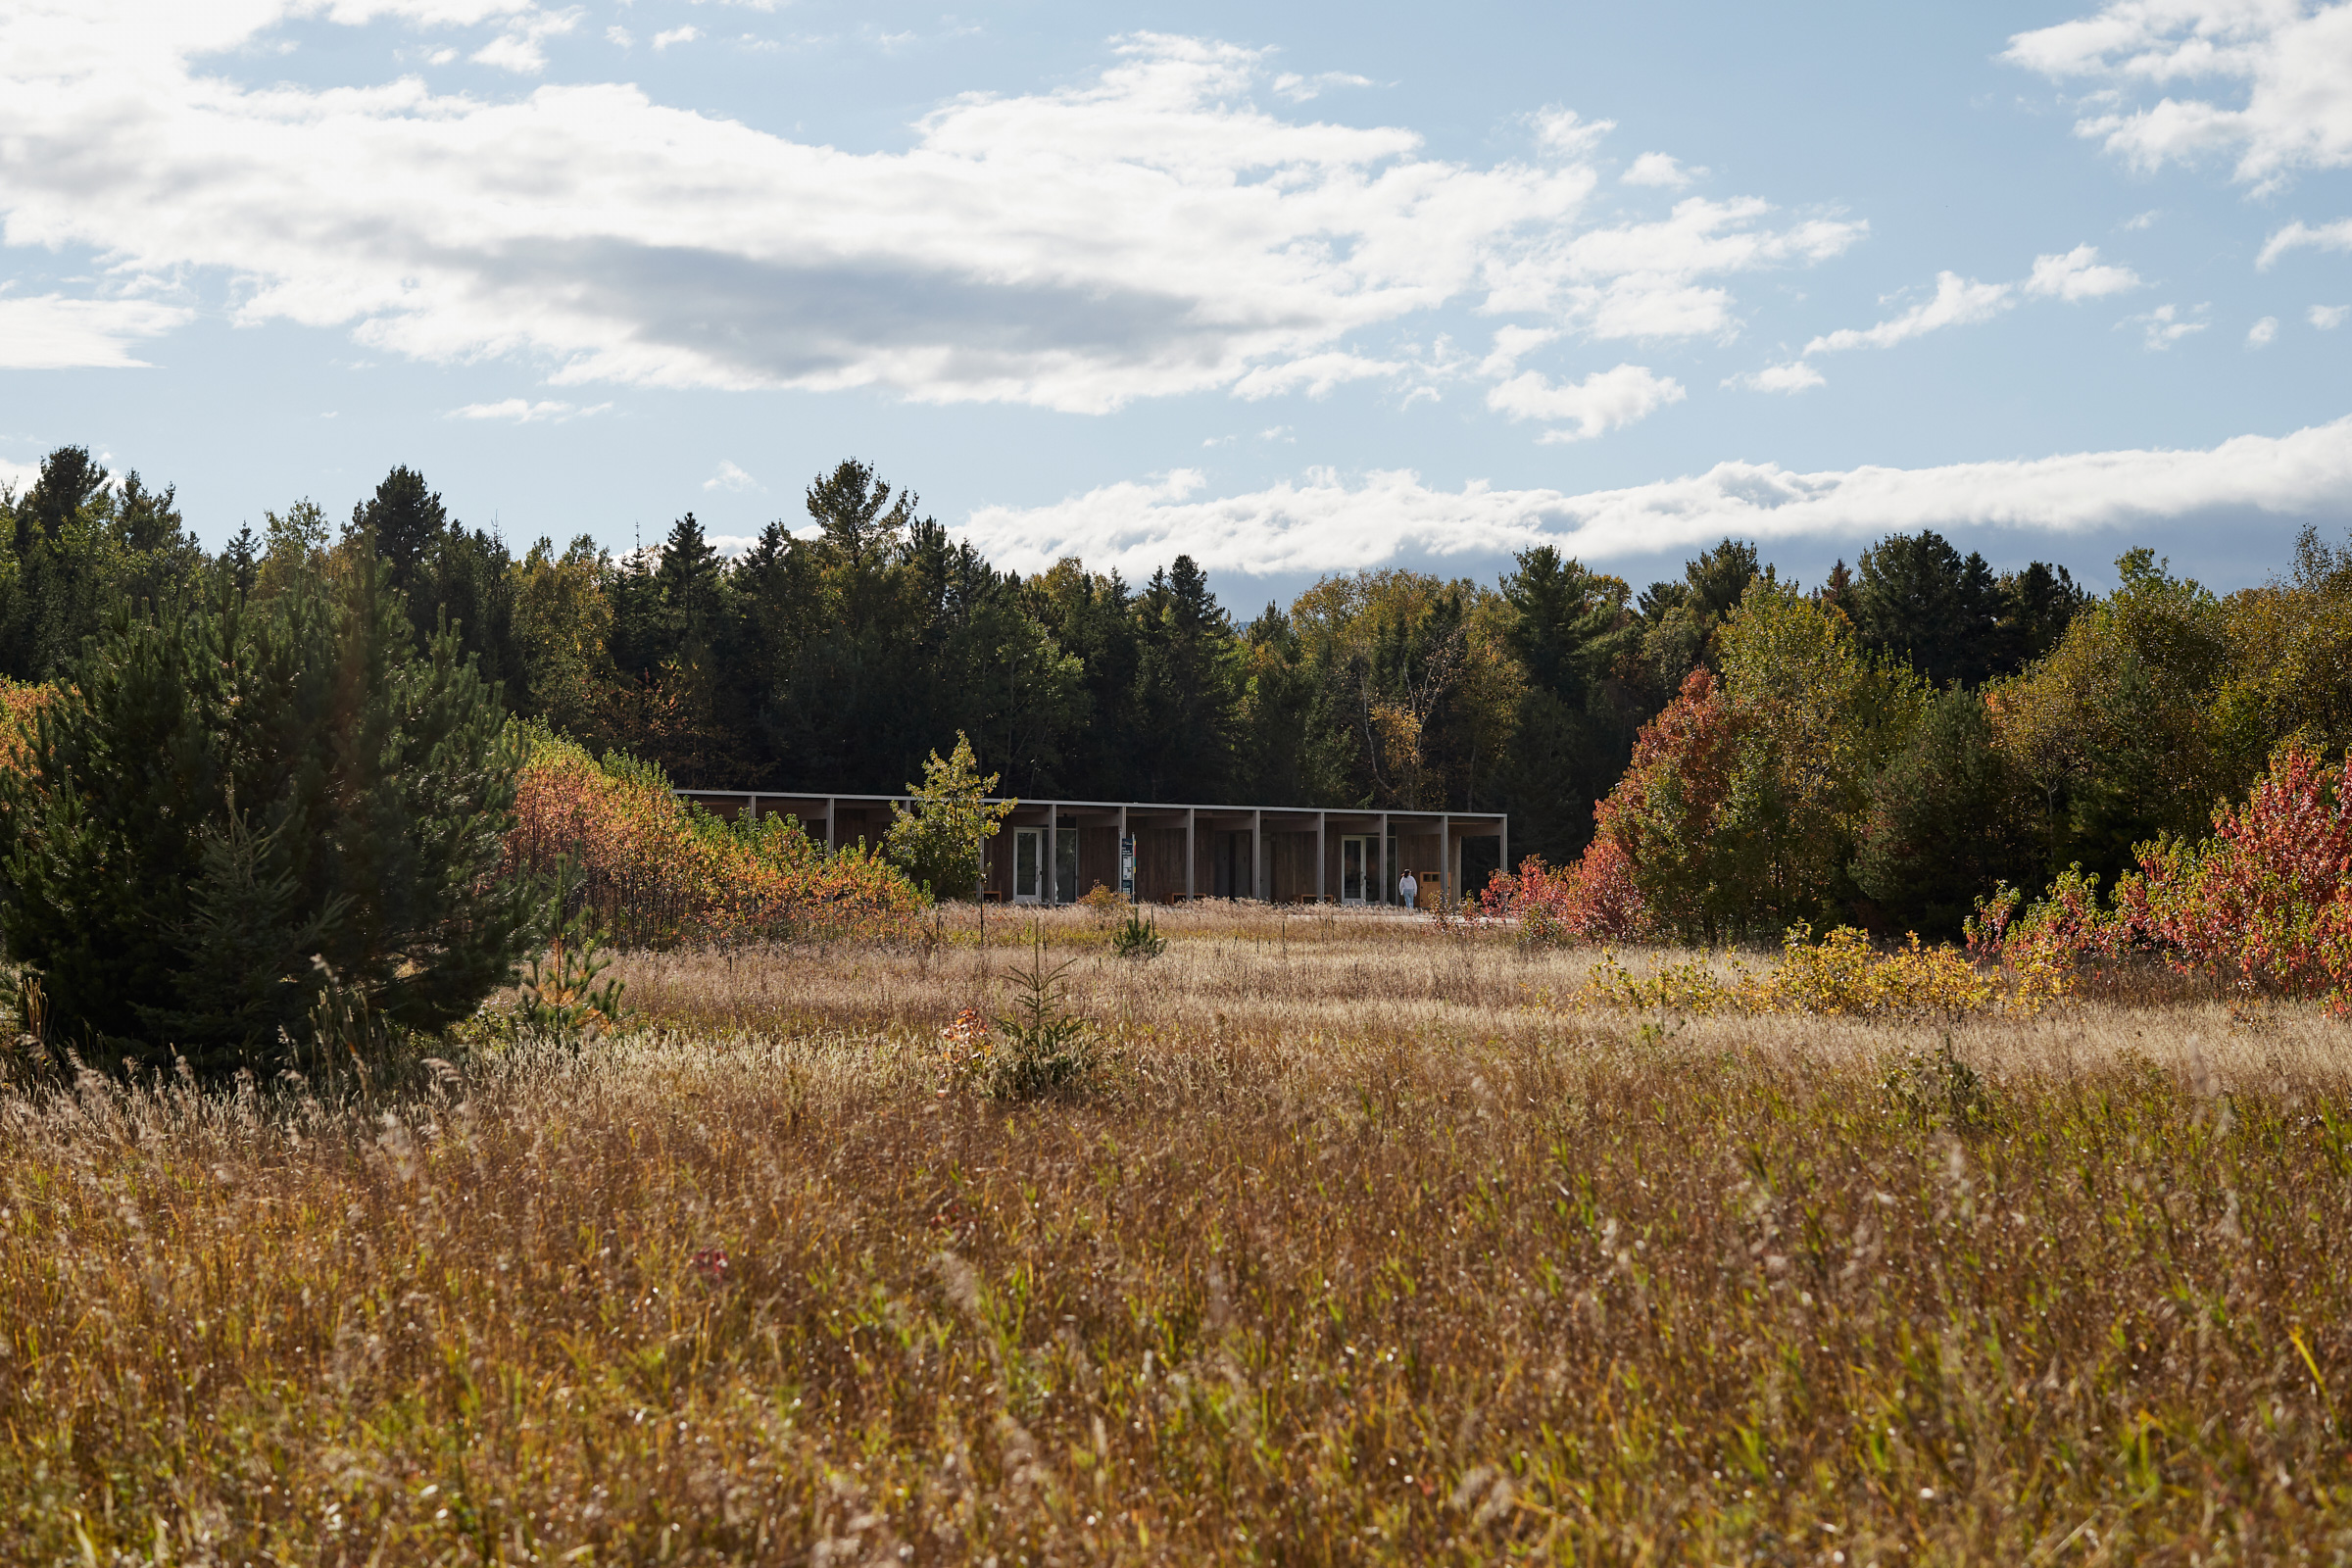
(1369, 1244)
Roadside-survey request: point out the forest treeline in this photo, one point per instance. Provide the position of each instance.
(1887, 744)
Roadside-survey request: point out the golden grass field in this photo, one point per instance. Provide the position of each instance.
(1367, 1243)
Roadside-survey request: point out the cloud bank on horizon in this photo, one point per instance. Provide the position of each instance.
(1327, 524)
(1188, 219)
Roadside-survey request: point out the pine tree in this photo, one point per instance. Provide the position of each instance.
(404, 519)
(233, 800)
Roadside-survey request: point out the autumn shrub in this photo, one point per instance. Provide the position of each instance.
(1690, 988)
(658, 871)
(1845, 975)
(1842, 975)
(21, 703)
(2264, 905)
(1595, 900)
(2040, 953)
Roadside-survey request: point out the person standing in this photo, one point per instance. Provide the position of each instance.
(1408, 891)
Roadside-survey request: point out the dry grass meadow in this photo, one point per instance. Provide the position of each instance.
(1366, 1243)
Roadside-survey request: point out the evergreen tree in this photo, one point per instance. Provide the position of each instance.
(242, 812)
(2036, 605)
(402, 521)
(1948, 818)
(1571, 628)
(1186, 689)
(1679, 620)
(1294, 749)
(1917, 597)
(856, 514)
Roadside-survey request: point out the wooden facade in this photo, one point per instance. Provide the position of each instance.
(1054, 852)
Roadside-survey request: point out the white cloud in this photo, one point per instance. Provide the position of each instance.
(2146, 220)
(1797, 376)
(671, 35)
(2284, 70)
(50, 332)
(1323, 524)
(2258, 335)
(1958, 301)
(2078, 275)
(517, 49)
(1511, 343)
(1659, 169)
(730, 477)
(1647, 279)
(620, 36)
(18, 477)
(1317, 373)
(2165, 325)
(1604, 400)
(2327, 318)
(1147, 232)
(523, 411)
(2297, 235)
(1295, 88)
(1562, 131)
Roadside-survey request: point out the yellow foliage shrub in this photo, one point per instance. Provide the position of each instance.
(1689, 988)
(1840, 976)
(1844, 976)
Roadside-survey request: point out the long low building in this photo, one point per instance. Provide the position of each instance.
(1054, 852)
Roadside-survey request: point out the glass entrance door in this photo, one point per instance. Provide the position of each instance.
(1028, 857)
(1360, 870)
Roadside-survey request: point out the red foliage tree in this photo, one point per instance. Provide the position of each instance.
(2266, 900)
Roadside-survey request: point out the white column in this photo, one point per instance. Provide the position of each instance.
(1257, 855)
(1190, 813)
(1319, 822)
(832, 823)
(1387, 872)
(1052, 859)
(1115, 864)
(1504, 832)
(1449, 877)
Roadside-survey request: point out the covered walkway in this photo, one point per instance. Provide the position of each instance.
(1054, 852)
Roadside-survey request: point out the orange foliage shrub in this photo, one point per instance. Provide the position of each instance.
(658, 871)
(1594, 899)
(2264, 902)
(21, 703)
(2263, 906)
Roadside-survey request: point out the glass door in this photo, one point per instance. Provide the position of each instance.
(1028, 856)
(1357, 873)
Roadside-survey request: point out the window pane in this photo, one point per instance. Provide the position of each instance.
(1024, 862)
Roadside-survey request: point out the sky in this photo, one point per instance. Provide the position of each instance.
(1294, 289)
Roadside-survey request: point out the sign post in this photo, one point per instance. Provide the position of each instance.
(1127, 869)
